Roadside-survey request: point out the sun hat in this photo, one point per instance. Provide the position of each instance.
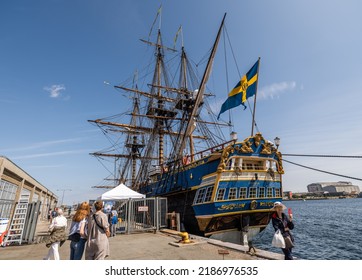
(278, 204)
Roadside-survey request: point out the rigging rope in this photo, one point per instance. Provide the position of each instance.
(323, 171)
(227, 78)
(236, 64)
(327, 156)
(99, 159)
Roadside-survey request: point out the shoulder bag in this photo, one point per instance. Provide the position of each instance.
(74, 237)
(278, 240)
(107, 232)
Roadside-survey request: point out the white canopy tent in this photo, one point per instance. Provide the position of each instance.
(121, 192)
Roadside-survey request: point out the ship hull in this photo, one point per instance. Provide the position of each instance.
(182, 203)
(229, 192)
(216, 224)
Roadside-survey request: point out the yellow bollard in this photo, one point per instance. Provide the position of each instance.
(185, 237)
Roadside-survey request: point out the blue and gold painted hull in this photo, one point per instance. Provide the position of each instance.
(231, 188)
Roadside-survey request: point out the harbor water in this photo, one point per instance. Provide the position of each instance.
(324, 230)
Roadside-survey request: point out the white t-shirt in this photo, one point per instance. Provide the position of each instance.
(75, 226)
(58, 221)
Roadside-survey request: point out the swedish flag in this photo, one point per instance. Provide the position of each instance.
(244, 89)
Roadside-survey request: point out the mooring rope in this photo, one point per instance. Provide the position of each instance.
(323, 171)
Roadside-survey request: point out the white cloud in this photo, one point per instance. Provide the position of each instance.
(45, 166)
(52, 154)
(41, 145)
(55, 91)
(275, 90)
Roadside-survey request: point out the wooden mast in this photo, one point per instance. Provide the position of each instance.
(134, 156)
(191, 123)
(163, 113)
(134, 146)
(184, 86)
(159, 102)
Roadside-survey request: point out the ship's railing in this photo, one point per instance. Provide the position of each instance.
(242, 169)
(188, 159)
(250, 164)
(207, 152)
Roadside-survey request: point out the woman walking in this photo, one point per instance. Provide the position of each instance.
(77, 232)
(57, 235)
(97, 247)
(285, 225)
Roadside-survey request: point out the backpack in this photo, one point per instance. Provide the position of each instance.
(114, 220)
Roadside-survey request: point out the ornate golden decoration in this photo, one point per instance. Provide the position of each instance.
(225, 155)
(232, 206)
(246, 147)
(253, 205)
(279, 163)
(266, 148)
(257, 139)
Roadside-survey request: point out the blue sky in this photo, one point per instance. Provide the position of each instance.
(55, 56)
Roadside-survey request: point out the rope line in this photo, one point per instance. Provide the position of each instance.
(323, 171)
(327, 156)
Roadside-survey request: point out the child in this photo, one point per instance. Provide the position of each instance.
(114, 221)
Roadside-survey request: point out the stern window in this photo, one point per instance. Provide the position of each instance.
(252, 193)
(208, 194)
(242, 193)
(232, 193)
(199, 197)
(270, 192)
(277, 192)
(261, 192)
(220, 194)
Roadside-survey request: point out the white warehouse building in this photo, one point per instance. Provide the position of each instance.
(334, 187)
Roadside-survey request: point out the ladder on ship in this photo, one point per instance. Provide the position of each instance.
(16, 229)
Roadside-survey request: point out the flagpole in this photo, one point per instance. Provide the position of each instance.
(182, 37)
(159, 23)
(256, 91)
(160, 12)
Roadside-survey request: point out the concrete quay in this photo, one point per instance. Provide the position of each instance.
(145, 246)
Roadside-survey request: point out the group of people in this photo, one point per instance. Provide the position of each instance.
(89, 231)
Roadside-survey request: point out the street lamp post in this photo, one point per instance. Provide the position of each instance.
(234, 136)
(277, 142)
(63, 190)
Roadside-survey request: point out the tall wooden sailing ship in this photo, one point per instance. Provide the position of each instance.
(171, 148)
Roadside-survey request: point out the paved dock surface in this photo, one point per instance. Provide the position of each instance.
(140, 246)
